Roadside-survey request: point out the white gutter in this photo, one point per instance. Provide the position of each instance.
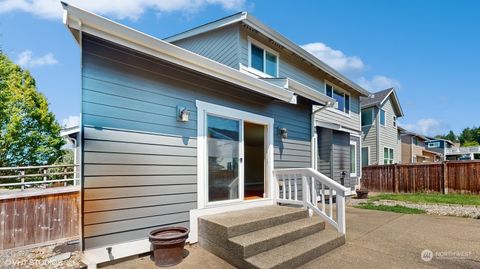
(314, 136)
(133, 39)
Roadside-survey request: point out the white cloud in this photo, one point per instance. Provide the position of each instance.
(427, 126)
(335, 58)
(378, 83)
(26, 59)
(131, 9)
(71, 121)
(351, 66)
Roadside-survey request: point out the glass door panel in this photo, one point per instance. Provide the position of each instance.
(223, 149)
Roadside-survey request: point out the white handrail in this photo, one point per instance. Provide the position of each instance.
(312, 182)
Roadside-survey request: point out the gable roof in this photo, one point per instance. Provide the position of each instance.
(79, 20)
(273, 35)
(379, 98)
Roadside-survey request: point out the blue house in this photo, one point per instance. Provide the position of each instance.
(227, 116)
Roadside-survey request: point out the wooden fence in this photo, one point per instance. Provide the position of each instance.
(38, 216)
(446, 177)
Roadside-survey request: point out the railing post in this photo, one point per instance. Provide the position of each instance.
(341, 213)
(305, 191)
(22, 179)
(276, 188)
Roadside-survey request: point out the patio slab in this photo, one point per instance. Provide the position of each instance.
(375, 239)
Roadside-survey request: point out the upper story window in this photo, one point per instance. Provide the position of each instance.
(382, 117)
(342, 98)
(367, 116)
(394, 121)
(433, 144)
(263, 59)
(415, 141)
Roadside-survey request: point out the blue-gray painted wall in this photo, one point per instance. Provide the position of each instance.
(139, 162)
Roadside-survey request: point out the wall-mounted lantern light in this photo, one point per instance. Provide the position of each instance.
(284, 133)
(182, 114)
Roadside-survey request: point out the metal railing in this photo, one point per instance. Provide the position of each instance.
(308, 187)
(463, 150)
(38, 176)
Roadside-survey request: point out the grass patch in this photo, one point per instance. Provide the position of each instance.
(430, 198)
(396, 208)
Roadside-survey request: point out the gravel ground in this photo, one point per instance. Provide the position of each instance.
(432, 209)
(46, 257)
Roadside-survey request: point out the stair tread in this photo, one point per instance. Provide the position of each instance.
(275, 231)
(285, 253)
(251, 215)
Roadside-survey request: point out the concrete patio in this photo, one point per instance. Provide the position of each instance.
(376, 239)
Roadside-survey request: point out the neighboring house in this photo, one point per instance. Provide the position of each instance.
(380, 140)
(463, 153)
(414, 148)
(197, 124)
(452, 151)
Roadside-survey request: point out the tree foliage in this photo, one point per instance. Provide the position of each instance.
(467, 138)
(29, 133)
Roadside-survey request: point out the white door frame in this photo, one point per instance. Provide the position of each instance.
(204, 108)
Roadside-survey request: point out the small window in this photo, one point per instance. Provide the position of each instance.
(433, 144)
(263, 61)
(382, 117)
(367, 116)
(388, 156)
(353, 159)
(394, 121)
(365, 156)
(343, 99)
(415, 141)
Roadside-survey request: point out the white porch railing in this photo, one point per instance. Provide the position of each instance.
(308, 187)
(35, 176)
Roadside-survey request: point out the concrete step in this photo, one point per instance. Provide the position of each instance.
(219, 227)
(298, 252)
(252, 243)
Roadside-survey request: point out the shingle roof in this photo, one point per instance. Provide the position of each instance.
(376, 98)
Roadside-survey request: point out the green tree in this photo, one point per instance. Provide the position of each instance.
(450, 136)
(469, 135)
(29, 133)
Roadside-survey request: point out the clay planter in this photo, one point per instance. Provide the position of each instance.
(168, 245)
(362, 194)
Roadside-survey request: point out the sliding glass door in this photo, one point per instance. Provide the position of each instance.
(224, 158)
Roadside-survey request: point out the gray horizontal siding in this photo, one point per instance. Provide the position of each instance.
(220, 45)
(389, 133)
(369, 139)
(139, 161)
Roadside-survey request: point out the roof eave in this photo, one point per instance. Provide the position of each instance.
(277, 37)
(272, 34)
(84, 21)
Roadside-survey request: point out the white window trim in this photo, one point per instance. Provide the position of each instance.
(380, 117)
(368, 154)
(393, 159)
(373, 117)
(265, 49)
(202, 161)
(436, 144)
(354, 143)
(335, 87)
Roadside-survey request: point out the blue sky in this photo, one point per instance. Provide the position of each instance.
(428, 50)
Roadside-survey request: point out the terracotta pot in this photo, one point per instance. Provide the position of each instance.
(168, 245)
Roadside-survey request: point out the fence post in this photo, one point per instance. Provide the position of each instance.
(395, 178)
(445, 177)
